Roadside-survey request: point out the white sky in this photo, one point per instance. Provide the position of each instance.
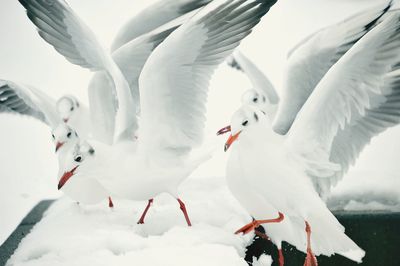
(26, 149)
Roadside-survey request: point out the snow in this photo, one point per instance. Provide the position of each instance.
(72, 234)
(263, 260)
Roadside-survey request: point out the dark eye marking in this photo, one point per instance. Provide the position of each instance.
(69, 135)
(53, 136)
(256, 117)
(91, 151)
(255, 100)
(245, 123)
(72, 108)
(78, 158)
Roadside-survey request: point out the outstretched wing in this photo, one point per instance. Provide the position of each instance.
(18, 99)
(309, 61)
(153, 17)
(63, 29)
(58, 25)
(357, 99)
(130, 58)
(174, 81)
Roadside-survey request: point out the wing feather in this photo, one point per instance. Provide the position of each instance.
(309, 61)
(356, 100)
(175, 79)
(18, 99)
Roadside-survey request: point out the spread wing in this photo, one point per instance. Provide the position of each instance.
(69, 35)
(153, 17)
(356, 100)
(309, 61)
(174, 81)
(19, 99)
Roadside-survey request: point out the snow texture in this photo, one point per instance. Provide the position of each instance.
(263, 260)
(72, 234)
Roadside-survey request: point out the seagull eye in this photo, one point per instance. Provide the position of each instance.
(72, 108)
(54, 137)
(255, 100)
(69, 135)
(78, 158)
(245, 123)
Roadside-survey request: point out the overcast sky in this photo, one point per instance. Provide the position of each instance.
(26, 148)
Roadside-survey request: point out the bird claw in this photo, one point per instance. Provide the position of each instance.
(248, 227)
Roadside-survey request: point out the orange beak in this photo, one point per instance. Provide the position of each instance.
(224, 130)
(66, 176)
(230, 140)
(59, 145)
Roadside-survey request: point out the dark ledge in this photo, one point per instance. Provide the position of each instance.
(378, 233)
(12, 242)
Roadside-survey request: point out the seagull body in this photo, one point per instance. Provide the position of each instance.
(358, 96)
(172, 106)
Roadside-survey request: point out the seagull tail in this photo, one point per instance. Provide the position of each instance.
(328, 237)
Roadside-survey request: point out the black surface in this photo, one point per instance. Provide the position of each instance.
(12, 242)
(377, 233)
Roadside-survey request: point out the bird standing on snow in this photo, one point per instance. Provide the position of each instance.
(172, 106)
(358, 96)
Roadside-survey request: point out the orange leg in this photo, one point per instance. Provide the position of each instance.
(256, 223)
(141, 220)
(311, 260)
(110, 203)
(183, 209)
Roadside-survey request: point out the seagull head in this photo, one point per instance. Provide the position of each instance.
(67, 107)
(244, 118)
(253, 98)
(62, 135)
(78, 155)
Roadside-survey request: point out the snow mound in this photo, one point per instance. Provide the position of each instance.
(72, 234)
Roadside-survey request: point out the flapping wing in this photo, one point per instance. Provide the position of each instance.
(18, 99)
(257, 78)
(130, 58)
(153, 17)
(357, 99)
(62, 28)
(309, 61)
(58, 25)
(174, 81)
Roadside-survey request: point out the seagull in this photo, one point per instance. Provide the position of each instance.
(172, 107)
(354, 101)
(307, 63)
(29, 101)
(263, 94)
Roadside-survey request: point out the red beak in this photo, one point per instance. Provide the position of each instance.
(224, 130)
(59, 145)
(230, 140)
(65, 120)
(66, 176)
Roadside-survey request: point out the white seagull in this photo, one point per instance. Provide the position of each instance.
(357, 99)
(26, 100)
(262, 94)
(173, 87)
(307, 63)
